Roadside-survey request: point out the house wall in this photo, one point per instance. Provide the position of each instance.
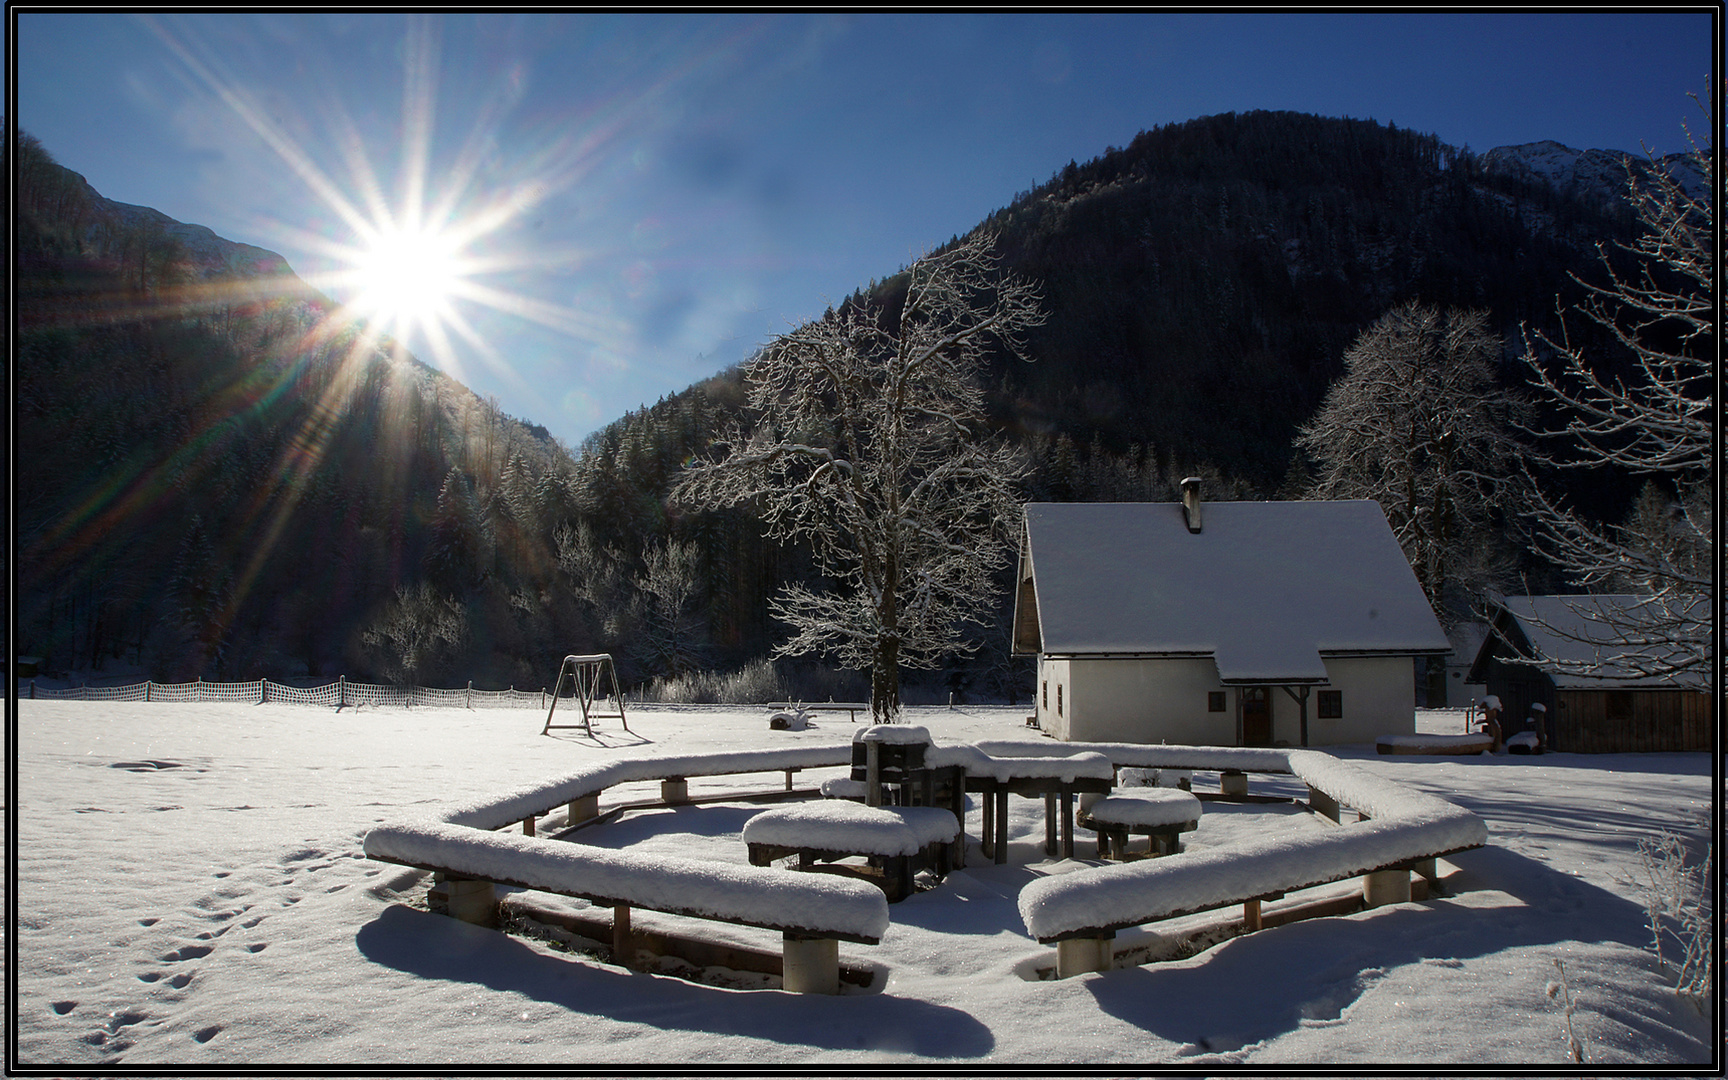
(1052, 690)
(1633, 721)
(1148, 701)
(1151, 701)
(1379, 698)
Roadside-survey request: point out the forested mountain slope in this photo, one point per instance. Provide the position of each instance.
(218, 477)
(217, 480)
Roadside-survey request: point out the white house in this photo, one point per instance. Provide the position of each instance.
(1237, 623)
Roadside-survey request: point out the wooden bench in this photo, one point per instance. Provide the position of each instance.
(813, 913)
(1161, 815)
(852, 708)
(1399, 831)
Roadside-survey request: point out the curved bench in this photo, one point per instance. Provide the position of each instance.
(813, 913)
(1081, 911)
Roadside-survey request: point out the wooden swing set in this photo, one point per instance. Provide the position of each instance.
(585, 674)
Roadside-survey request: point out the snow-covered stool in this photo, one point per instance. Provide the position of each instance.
(843, 787)
(896, 842)
(1525, 742)
(1161, 815)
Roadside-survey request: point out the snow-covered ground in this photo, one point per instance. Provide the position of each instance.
(192, 892)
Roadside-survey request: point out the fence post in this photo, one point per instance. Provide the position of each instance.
(341, 691)
(263, 691)
(146, 689)
(468, 698)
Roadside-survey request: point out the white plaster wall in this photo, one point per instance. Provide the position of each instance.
(1151, 701)
(1147, 701)
(1053, 679)
(1379, 699)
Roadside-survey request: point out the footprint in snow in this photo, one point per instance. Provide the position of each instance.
(205, 1034)
(187, 952)
(61, 1008)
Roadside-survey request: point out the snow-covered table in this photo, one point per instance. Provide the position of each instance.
(1057, 779)
(900, 840)
(1159, 814)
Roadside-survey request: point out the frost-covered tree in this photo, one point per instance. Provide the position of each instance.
(670, 625)
(1418, 424)
(870, 444)
(417, 633)
(1653, 418)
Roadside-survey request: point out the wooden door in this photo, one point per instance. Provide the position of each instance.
(1256, 716)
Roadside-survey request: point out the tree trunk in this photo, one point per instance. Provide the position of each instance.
(885, 680)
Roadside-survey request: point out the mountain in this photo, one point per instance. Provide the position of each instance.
(1598, 175)
(220, 475)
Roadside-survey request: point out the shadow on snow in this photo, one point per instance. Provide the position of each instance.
(436, 947)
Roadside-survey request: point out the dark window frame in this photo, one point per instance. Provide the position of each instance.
(1215, 701)
(1329, 704)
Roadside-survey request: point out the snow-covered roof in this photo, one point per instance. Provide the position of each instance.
(1585, 631)
(1264, 589)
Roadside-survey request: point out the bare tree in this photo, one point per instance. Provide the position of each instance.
(417, 633)
(670, 624)
(1657, 421)
(1418, 424)
(870, 444)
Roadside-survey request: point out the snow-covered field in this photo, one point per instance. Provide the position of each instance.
(192, 892)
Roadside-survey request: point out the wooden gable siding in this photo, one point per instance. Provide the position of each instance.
(1634, 721)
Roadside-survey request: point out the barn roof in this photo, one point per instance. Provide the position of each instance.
(1264, 588)
(1584, 631)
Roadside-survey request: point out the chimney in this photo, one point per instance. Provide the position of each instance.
(1191, 502)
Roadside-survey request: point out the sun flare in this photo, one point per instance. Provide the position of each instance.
(409, 278)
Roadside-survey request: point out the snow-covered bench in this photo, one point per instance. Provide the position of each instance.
(813, 913)
(902, 839)
(1402, 830)
(1476, 742)
(851, 708)
(1159, 814)
(463, 845)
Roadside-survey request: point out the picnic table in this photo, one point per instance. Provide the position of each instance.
(1056, 779)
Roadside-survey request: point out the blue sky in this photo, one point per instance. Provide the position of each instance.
(639, 201)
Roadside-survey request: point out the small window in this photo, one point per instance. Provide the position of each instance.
(1214, 701)
(1046, 694)
(1330, 704)
(1058, 699)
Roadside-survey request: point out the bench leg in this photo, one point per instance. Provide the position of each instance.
(1077, 956)
(1050, 824)
(674, 791)
(622, 950)
(471, 901)
(588, 806)
(987, 828)
(1386, 887)
(1067, 825)
(1251, 915)
(1002, 825)
(810, 965)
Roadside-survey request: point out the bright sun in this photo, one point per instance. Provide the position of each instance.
(409, 277)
